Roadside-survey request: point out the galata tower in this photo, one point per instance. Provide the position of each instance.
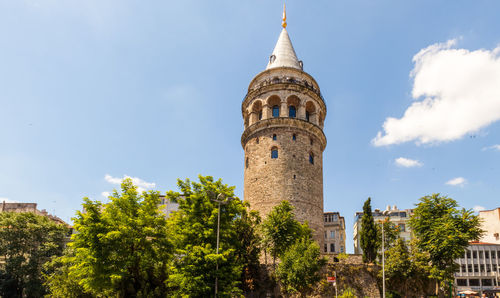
(283, 140)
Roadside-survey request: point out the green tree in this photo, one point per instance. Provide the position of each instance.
(406, 268)
(121, 248)
(391, 234)
(195, 226)
(369, 234)
(398, 265)
(300, 266)
(248, 247)
(27, 241)
(280, 230)
(443, 232)
(59, 279)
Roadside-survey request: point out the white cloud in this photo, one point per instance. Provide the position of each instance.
(459, 181)
(478, 208)
(105, 194)
(7, 200)
(456, 91)
(494, 147)
(141, 184)
(407, 163)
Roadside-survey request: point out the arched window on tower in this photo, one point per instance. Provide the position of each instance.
(307, 116)
(260, 115)
(292, 112)
(276, 111)
(274, 152)
(311, 158)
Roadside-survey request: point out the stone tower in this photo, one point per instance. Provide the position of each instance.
(283, 140)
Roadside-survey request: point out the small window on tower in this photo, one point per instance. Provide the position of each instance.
(260, 115)
(274, 153)
(311, 140)
(276, 111)
(292, 112)
(246, 163)
(294, 137)
(257, 140)
(274, 137)
(307, 116)
(311, 158)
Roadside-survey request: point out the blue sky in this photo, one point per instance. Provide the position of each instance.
(91, 91)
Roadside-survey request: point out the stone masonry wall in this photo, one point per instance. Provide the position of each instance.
(289, 177)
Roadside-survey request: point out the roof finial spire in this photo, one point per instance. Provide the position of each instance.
(283, 23)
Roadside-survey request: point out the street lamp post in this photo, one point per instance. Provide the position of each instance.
(383, 263)
(220, 200)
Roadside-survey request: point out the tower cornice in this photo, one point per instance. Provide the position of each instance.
(290, 71)
(283, 122)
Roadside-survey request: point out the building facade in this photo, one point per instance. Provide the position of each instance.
(398, 217)
(29, 207)
(490, 223)
(167, 206)
(479, 269)
(283, 139)
(334, 228)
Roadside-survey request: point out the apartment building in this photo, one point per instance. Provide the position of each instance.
(334, 228)
(398, 217)
(479, 269)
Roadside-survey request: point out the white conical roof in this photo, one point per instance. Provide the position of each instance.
(284, 54)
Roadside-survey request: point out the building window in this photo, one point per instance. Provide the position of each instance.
(246, 163)
(292, 112)
(474, 254)
(274, 153)
(487, 254)
(480, 254)
(307, 116)
(257, 140)
(274, 137)
(260, 115)
(311, 158)
(332, 234)
(276, 111)
(332, 247)
(473, 282)
(341, 248)
(294, 137)
(402, 227)
(486, 282)
(326, 247)
(335, 217)
(325, 235)
(311, 140)
(468, 254)
(463, 268)
(461, 282)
